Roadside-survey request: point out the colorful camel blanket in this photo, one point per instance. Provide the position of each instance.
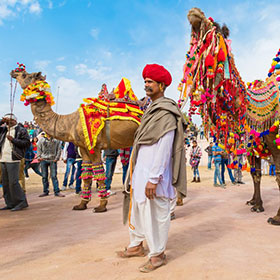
(97, 111)
(263, 105)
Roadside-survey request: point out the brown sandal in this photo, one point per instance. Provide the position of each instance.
(127, 254)
(148, 266)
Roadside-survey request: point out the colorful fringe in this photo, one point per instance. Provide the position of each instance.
(87, 171)
(86, 191)
(86, 174)
(99, 175)
(102, 192)
(98, 172)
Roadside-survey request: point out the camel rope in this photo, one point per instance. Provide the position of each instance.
(12, 98)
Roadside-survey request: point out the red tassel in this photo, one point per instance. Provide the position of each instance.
(209, 61)
(221, 55)
(273, 128)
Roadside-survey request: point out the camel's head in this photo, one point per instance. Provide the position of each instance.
(200, 24)
(24, 78)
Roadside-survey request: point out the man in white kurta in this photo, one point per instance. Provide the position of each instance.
(150, 218)
(157, 154)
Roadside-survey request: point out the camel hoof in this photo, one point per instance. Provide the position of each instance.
(273, 222)
(250, 202)
(78, 207)
(102, 207)
(81, 206)
(99, 210)
(257, 209)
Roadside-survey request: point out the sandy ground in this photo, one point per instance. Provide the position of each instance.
(214, 236)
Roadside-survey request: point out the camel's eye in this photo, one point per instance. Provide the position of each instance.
(23, 76)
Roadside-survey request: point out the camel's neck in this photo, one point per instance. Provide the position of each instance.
(51, 122)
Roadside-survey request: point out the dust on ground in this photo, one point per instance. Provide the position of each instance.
(214, 236)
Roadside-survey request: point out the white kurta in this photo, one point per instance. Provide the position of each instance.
(150, 219)
(154, 164)
(7, 148)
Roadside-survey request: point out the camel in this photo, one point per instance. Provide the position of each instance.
(68, 128)
(215, 88)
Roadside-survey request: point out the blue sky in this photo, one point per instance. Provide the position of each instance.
(81, 44)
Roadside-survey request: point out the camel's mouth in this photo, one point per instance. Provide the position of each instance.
(13, 74)
(194, 21)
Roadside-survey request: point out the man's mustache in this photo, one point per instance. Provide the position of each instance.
(148, 89)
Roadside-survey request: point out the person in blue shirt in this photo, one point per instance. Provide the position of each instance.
(217, 154)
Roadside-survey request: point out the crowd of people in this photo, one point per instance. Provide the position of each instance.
(157, 177)
(41, 153)
(221, 161)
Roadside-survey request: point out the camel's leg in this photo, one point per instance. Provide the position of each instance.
(276, 219)
(93, 169)
(99, 176)
(86, 175)
(252, 162)
(256, 201)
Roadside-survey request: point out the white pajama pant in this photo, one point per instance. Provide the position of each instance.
(150, 220)
(173, 203)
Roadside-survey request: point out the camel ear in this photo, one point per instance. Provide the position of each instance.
(39, 76)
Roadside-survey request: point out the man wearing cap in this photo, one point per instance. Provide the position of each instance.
(14, 140)
(157, 166)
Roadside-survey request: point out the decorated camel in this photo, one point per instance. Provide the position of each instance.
(245, 120)
(93, 127)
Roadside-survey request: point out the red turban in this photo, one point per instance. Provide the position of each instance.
(157, 73)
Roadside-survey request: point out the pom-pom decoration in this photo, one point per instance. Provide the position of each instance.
(20, 68)
(37, 91)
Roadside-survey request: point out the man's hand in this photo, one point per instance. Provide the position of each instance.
(5, 120)
(39, 159)
(150, 190)
(65, 161)
(10, 138)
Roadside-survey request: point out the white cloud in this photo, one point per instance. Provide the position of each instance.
(60, 68)
(107, 54)
(25, 2)
(81, 69)
(68, 87)
(61, 4)
(69, 96)
(50, 4)
(41, 65)
(10, 9)
(61, 58)
(99, 73)
(94, 32)
(35, 8)
(254, 53)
